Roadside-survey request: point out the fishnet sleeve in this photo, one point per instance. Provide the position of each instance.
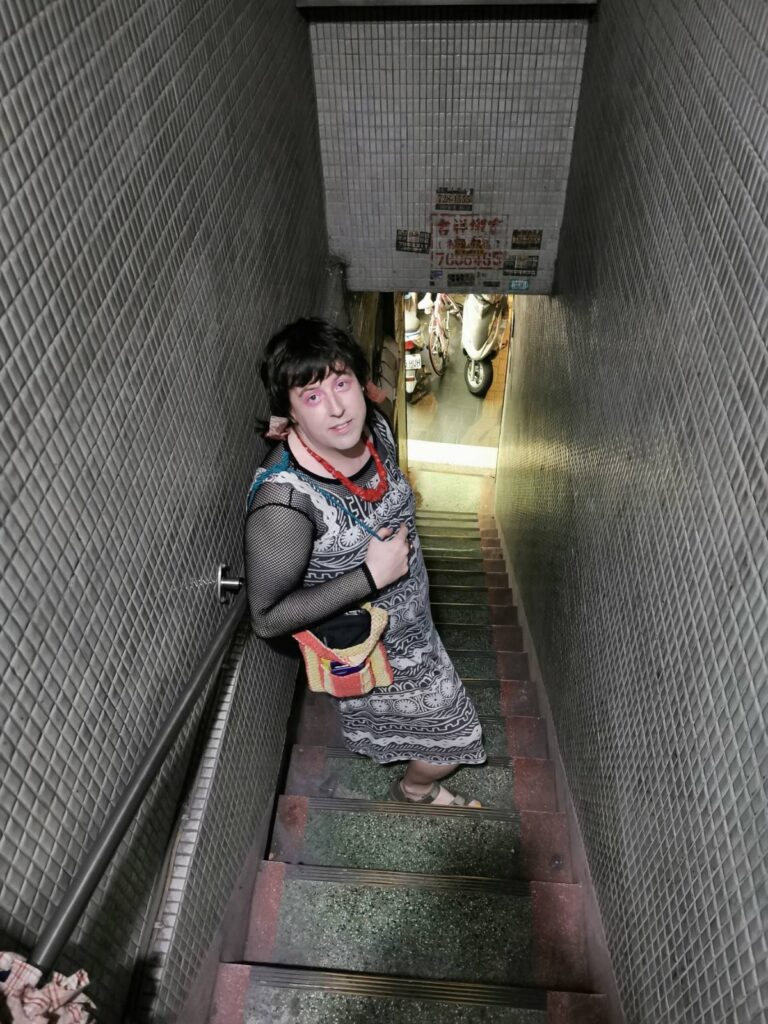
(278, 545)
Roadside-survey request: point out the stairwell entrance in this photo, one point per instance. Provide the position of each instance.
(454, 404)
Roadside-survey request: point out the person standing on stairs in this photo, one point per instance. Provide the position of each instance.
(308, 557)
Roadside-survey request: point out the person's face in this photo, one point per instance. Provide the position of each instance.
(330, 413)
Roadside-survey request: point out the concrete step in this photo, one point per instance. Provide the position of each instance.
(458, 548)
(471, 614)
(462, 561)
(507, 783)
(459, 928)
(490, 665)
(456, 594)
(417, 837)
(481, 638)
(258, 994)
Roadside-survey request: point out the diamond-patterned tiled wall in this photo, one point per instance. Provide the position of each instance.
(162, 214)
(633, 495)
(433, 99)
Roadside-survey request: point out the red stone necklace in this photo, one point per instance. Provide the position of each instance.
(366, 493)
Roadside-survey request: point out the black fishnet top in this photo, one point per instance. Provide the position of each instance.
(280, 531)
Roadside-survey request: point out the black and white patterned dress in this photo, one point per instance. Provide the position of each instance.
(304, 563)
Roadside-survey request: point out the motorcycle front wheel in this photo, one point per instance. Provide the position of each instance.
(478, 375)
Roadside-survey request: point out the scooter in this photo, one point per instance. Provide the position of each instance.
(415, 370)
(480, 339)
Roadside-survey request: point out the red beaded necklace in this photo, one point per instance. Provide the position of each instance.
(366, 493)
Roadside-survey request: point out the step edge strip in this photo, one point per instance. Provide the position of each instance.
(407, 879)
(356, 806)
(383, 985)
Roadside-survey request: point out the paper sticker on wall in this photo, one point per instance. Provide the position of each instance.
(454, 199)
(467, 242)
(521, 265)
(461, 279)
(518, 284)
(526, 238)
(412, 241)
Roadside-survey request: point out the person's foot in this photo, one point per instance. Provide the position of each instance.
(434, 794)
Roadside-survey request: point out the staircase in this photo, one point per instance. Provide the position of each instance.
(367, 910)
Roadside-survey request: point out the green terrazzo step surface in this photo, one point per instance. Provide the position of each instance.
(467, 638)
(444, 560)
(405, 928)
(473, 637)
(474, 664)
(441, 523)
(470, 614)
(448, 541)
(456, 578)
(322, 1003)
(433, 548)
(494, 735)
(469, 842)
(348, 776)
(458, 595)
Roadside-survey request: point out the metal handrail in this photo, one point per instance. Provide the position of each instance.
(57, 931)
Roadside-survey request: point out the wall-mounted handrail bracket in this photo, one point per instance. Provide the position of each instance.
(226, 585)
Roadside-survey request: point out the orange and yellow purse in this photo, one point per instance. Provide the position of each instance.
(347, 671)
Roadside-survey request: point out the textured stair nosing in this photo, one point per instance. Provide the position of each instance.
(541, 846)
(407, 879)
(388, 986)
(559, 958)
(329, 803)
(235, 980)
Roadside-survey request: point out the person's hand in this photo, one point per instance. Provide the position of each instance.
(387, 557)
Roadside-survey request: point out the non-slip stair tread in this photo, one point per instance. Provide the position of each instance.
(456, 577)
(502, 782)
(330, 1001)
(471, 637)
(414, 925)
(418, 838)
(270, 994)
(461, 613)
(478, 664)
(454, 594)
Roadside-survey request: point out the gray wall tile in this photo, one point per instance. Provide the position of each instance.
(633, 494)
(162, 214)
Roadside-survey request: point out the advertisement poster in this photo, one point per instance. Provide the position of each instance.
(526, 238)
(518, 284)
(521, 265)
(412, 241)
(462, 243)
(454, 199)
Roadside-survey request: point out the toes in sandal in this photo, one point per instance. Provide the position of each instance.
(397, 794)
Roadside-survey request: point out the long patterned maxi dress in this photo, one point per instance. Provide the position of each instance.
(304, 563)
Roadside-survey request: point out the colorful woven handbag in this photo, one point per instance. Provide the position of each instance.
(347, 671)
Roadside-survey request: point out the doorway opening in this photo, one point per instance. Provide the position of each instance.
(456, 350)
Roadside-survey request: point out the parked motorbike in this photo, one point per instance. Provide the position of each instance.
(416, 371)
(480, 339)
